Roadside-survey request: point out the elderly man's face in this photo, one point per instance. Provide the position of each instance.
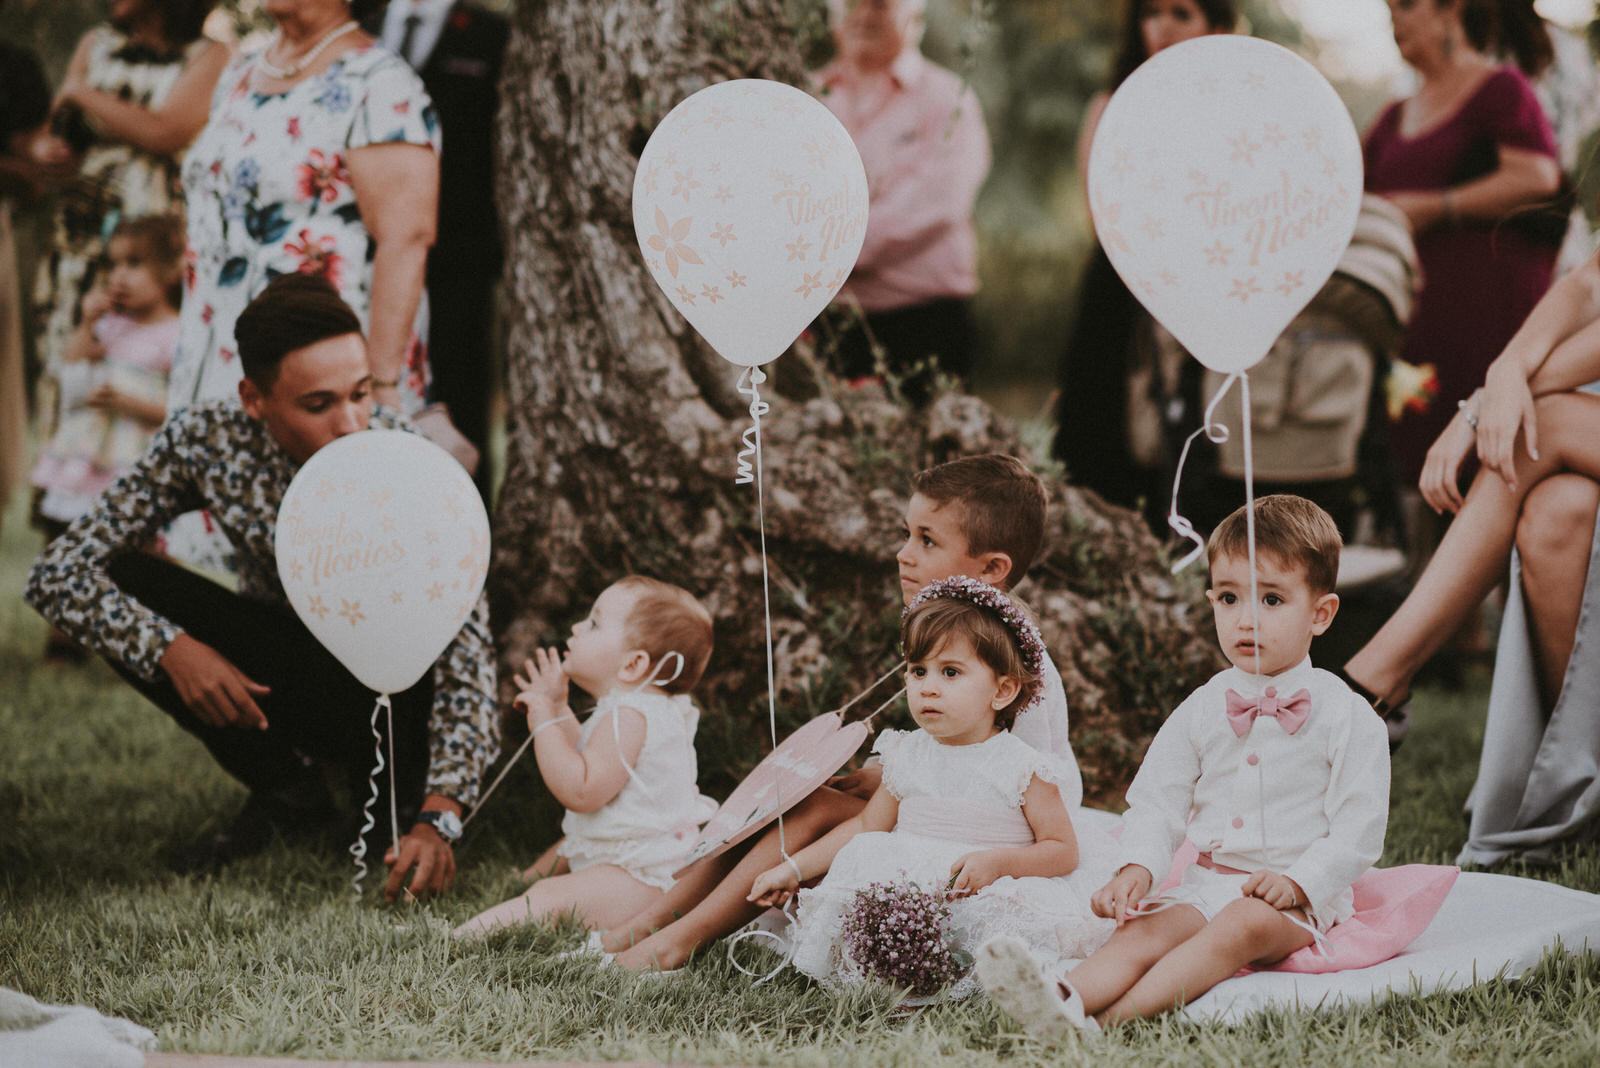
(873, 32)
(322, 392)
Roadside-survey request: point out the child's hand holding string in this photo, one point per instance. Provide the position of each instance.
(1116, 899)
(774, 886)
(542, 693)
(1279, 891)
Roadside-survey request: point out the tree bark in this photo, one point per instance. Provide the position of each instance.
(623, 430)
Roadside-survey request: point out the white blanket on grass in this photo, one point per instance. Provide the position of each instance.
(33, 1035)
(1489, 926)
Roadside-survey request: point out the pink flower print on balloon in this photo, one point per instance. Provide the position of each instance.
(321, 175)
(318, 256)
(668, 240)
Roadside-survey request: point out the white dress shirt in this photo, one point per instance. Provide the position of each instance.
(1044, 726)
(1312, 805)
(431, 12)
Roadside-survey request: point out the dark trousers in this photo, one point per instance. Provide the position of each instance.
(918, 342)
(461, 355)
(317, 713)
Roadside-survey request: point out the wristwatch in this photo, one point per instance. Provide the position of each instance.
(447, 823)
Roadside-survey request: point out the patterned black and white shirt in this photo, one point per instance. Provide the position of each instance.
(216, 457)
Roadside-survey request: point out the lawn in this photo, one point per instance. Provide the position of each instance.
(275, 956)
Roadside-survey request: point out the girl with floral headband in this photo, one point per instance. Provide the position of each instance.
(965, 807)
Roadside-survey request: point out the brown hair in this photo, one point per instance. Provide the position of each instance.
(1002, 505)
(667, 619)
(159, 242)
(930, 624)
(1294, 530)
(294, 310)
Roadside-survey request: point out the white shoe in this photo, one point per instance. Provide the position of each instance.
(1013, 980)
(591, 949)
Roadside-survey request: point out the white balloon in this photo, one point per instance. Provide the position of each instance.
(1225, 180)
(382, 548)
(750, 204)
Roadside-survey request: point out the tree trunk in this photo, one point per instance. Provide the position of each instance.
(624, 427)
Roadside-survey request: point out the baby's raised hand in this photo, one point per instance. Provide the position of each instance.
(774, 886)
(974, 871)
(544, 689)
(1125, 890)
(1279, 891)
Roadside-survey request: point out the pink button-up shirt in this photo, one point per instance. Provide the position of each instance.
(926, 153)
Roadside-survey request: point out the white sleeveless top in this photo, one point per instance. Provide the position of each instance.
(648, 828)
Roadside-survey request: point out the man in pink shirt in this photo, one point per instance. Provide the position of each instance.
(921, 136)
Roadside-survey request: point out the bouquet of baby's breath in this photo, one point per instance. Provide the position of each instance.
(900, 935)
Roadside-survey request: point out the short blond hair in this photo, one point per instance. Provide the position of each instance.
(666, 619)
(1292, 529)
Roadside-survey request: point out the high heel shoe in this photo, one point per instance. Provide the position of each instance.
(1397, 716)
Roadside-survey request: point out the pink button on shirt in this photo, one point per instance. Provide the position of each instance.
(926, 152)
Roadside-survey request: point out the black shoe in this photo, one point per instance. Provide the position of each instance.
(252, 830)
(1396, 717)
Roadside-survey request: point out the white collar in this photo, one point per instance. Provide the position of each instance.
(1249, 684)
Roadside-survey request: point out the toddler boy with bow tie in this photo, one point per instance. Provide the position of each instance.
(1277, 771)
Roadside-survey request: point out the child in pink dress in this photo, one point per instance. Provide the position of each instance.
(113, 378)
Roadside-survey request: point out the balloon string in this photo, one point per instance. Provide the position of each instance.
(1250, 515)
(750, 471)
(1218, 433)
(358, 849)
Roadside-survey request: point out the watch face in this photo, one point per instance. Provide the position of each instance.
(447, 823)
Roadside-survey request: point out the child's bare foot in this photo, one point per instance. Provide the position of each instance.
(659, 952)
(1012, 979)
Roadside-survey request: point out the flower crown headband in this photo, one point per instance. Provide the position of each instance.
(1030, 643)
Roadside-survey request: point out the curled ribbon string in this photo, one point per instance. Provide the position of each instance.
(358, 849)
(749, 461)
(781, 944)
(749, 385)
(1218, 433)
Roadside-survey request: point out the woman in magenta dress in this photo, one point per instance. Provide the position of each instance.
(1469, 158)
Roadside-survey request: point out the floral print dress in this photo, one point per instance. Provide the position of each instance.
(269, 193)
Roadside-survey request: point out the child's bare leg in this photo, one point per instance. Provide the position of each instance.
(691, 888)
(1249, 931)
(725, 909)
(1113, 969)
(548, 864)
(599, 895)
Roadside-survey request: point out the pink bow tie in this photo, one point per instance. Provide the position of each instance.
(1290, 712)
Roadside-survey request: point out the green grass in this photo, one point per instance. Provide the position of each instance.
(275, 956)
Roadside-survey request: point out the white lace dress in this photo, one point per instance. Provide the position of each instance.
(648, 828)
(953, 800)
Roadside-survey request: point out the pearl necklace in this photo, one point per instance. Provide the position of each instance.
(283, 74)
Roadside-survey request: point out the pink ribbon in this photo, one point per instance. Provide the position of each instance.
(1290, 712)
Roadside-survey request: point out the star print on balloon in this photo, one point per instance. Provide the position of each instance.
(1230, 164)
(350, 562)
(751, 257)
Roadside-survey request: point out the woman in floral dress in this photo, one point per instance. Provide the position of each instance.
(321, 156)
(329, 168)
(135, 93)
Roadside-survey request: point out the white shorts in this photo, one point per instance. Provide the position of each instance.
(1209, 892)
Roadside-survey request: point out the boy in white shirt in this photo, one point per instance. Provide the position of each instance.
(1278, 772)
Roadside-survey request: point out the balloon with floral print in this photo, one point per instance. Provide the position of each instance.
(1224, 181)
(750, 204)
(382, 547)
